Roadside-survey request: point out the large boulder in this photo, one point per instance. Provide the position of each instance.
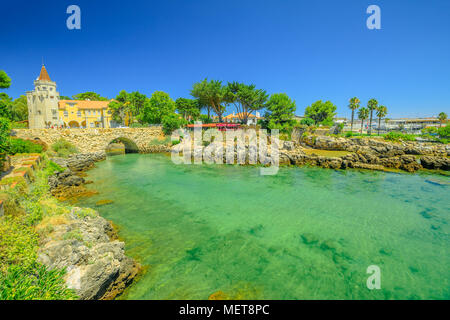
(96, 264)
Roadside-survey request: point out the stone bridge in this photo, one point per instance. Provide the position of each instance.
(93, 140)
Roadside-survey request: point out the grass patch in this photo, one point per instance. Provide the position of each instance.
(33, 212)
(63, 148)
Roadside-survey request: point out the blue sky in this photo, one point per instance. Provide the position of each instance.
(310, 50)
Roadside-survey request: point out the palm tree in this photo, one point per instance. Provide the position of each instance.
(381, 113)
(363, 114)
(372, 105)
(354, 104)
(442, 118)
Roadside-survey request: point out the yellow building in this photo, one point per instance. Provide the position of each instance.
(44, 101)
(84, 114)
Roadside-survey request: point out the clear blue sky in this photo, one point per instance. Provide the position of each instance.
(310, 50)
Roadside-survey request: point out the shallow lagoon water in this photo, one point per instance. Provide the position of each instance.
(305, 233)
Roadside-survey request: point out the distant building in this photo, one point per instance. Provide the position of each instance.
(43, 102)
(237, 118)
(45, 110)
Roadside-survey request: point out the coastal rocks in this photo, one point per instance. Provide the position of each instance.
(438, 163)
(97, 267)
(377, 146)
(69, 185)
(66, 178)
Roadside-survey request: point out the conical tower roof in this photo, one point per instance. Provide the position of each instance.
(44, 74)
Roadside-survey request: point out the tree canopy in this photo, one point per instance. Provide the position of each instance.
(5, 81)
(321, 112)
(213, 94)
(89, 95)
(246, 99)
(159, 105)
(188, 108)
(280, 111)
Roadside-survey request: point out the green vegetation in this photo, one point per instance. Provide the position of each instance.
(321, 112)
(88, 96)
(353, 105)
(63, 148)
(372, 105)
(398, 136)
(363, 114)
(5, 81)
(188, 108)
(442, 117)
(171, 122)
(307, 122)
(24, 146)
(213, 94)
(246, 99)
(14, 110)
(280, 112)
(21, 276)
(381, 113)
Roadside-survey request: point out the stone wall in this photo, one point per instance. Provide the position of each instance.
(94, 140)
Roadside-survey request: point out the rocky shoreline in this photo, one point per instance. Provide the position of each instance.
(83, 242)
(367, 153)
(357, 153)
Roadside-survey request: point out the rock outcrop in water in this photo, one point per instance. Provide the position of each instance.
(86, 245)
(371, 154)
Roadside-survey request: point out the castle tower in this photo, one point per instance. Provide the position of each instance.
(43, 103)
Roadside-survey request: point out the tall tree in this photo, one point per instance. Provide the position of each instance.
(89, 95)
(20, 109)
(321, 112)
(5, 81)
(5, 128)
(381, 113)
(6, 103)
(136, 103)
(246, 99)
(372, 105)
(353, 105)
(363, 114)
(159, 105)
(442, 117)
(212, 93)
(280, 108)
(119, 107)
(188, 108)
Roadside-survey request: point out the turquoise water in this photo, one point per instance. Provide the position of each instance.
(305, 233)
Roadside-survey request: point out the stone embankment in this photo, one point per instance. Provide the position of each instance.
(372, 154)
(83, 242)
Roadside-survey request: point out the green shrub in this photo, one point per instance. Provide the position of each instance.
(24, 146)
(175, 142)
(444, 132)
(171, 122)
(64, 148)
(52, 168)
(137, 125)
(307, 121)
(34, 282)
(398, 136)
(19, 125)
